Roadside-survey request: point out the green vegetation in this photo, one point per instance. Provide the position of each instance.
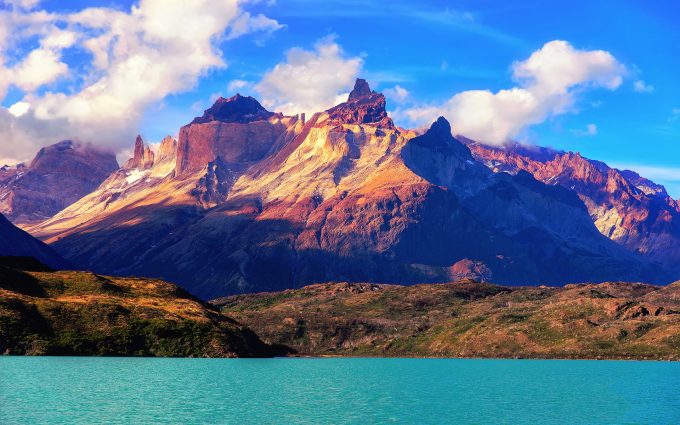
(81, 313)
(468, 319)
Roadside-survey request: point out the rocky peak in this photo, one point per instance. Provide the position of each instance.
(239, 109)
(148, 158)
(361, 89)
(143, 156)
(167, 149)
(439, 138)
(362, 107)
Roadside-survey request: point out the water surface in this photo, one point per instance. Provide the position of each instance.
(59, 390)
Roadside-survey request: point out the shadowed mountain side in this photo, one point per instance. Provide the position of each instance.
(633, 211)
(14, 242)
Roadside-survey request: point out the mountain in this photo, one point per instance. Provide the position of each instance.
(15, 242)
(82, 313)
(631, 210)
(58, 176)
(611, 320)
(261, 201)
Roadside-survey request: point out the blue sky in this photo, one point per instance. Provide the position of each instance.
(434, 50)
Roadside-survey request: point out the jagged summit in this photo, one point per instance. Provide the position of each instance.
(362, 107)
(440, 127)
(361, 89)
(241, 109)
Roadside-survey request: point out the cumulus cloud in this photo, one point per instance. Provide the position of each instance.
(138, 57)
(245, 23)
(547, 85)
(310, 80)
(397, 94)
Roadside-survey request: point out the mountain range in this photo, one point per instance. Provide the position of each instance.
(250, 200)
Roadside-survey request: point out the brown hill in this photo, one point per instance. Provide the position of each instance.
(82, 313)
(467, 319)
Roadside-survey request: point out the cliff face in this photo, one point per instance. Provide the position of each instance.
(260, 201)
(629, 209)
(58, 176)
(235, 131)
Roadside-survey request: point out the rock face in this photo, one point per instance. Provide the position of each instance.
(58, 176)
(631, 210)
(14, 242)
(266, 202)
(235, 131)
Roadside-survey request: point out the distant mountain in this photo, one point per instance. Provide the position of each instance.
(629, 209)
(14, 242)
(58, 176)
(613, 320)
(261, 201)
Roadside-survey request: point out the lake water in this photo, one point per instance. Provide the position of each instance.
(61, 390)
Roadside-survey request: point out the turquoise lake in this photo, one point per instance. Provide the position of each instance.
(62, 390)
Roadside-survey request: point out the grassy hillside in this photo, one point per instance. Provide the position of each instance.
(81, 313)
(467, 319)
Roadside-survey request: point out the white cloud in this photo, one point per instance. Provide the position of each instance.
(23, 4)
(19, 108)
(641, 87)
(245, 23)
(310, 81)
(139, 56)
(397, 94)
(590, 130)
(236, 85)
(547, 85)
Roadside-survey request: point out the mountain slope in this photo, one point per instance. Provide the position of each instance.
(81, 313)
(14, 242)
(58, 176)
(629, 209)
(260, 201)
(467, 319)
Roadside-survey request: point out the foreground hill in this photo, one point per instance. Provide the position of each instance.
(258, 201)
(467, 319)
(58, 176)
(80, 313)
